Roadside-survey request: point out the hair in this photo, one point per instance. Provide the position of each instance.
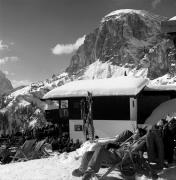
(161, 123)
(172, 126)
(142, 132)
(96, 137)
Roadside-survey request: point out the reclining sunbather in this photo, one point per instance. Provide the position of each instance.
(92, 160)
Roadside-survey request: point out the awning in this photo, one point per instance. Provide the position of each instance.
(165, 109)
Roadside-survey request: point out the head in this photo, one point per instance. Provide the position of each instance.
(96, 137)
(161, 122)
(172, 126)
(139, 133)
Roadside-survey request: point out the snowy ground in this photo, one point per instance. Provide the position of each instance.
(59, 167)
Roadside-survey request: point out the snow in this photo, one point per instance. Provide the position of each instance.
(172, 19)
(162, 87)
(60, 167)
(22, 91)
(103, 70)
(99, 87)
(166, 82)
(23, 103)
(117, 14)
(125, 11)
(33, 123)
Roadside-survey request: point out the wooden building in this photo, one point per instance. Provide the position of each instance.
(118, 104)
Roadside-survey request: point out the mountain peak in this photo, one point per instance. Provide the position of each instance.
(124, 38)
(5, 84)
(122, 12)
(126, 11)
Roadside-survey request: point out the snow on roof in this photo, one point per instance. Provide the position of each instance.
(167, 87)
(100, 87)
(172, 19)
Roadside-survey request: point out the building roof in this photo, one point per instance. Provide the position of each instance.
(168, 87)
(100, 87)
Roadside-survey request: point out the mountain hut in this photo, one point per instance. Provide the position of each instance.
(118, 104)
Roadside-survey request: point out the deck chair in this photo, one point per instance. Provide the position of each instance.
(5, 155)
(24, 152)
(135, 163)
(39, 150)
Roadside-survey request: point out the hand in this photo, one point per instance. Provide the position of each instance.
(111, 146)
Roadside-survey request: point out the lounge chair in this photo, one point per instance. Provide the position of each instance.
(131, 162)
(39, 150)
(5, 155)
(24, 152)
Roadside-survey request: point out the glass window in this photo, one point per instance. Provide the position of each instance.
(64, 104)
(78, 127)
(63, 113)
(74, 109)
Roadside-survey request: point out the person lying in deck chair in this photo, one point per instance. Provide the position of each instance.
(92, 160)
(160, 142)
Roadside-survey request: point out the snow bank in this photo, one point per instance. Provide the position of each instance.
(60, 167)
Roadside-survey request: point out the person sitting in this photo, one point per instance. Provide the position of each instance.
(155, 146)
(55, 144)
(92, 160)
(160, 143)
(5, 155)
(169, 135)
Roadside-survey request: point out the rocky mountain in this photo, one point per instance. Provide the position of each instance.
(129, 39)
(5, 84)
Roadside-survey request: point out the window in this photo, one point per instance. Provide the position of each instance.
(63, 113)
(64, 104)
(78, 127)
(74, 109)
(52, 115)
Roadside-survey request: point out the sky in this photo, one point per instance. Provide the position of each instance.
(39, 37)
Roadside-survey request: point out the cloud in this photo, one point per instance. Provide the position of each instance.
(4, 60)
(68, 48)
(7, 73)
(17, 83)
(3, 46)
(155, 3)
